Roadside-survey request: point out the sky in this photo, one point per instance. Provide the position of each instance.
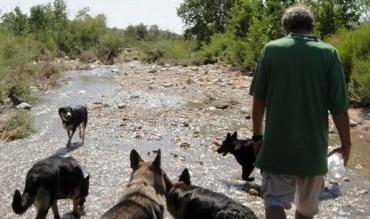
(119, 13)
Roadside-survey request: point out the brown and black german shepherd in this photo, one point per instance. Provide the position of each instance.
(49, 180)
(145, 194)
(186, 201)
(73, 117)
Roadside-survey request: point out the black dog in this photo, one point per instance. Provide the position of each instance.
(185, 201)
(242, 150)
(49, 180)
(73, 117)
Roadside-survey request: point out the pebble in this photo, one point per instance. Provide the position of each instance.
(363, 192)
(244, 110)
(211, 108)
(166, 85)
(185, 145)
(122, 106)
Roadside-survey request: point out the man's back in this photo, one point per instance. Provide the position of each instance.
(300, 78)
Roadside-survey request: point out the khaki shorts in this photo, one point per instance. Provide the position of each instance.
(281, 190)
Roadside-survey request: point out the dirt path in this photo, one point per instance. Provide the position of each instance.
(183, 111)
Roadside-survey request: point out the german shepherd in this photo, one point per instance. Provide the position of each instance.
(243, 152)
(145, 194)
(73, 117)
(49, 180)
(186, 201)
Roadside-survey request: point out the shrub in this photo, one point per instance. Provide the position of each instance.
(172, 51)
(354, 49)
(17, 127)
(216, 48)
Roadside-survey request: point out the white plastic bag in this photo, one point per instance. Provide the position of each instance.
(336, 168)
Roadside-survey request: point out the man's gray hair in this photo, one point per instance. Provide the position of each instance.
(298, 19)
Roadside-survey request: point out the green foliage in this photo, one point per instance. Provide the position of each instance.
(110, 46)
(216, 49)
(203, 18)
(354, 49)
(173, 51)
(17, 127)
(16, 21)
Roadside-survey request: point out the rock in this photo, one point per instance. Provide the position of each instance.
(244, 110)
(106, 105)
(253, 192)
(194, 68)
(363, 192)
(222, 106)
(185, 145)
(346, 179)
(122, 106)
(167, 84)
(115, 70)
(213, 147)
(211, 108)
(353, 123)
(217, 80)
(189, 81)
(24, 105)
(153, 70)
(217, 143)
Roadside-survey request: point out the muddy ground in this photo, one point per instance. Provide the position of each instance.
(186, 112)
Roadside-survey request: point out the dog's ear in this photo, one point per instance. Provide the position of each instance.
(157, 161)
(235, 135)
(135, 159)
(185, 177)
(60, 110)
(87, 179)
(168, 182)
(228, 135)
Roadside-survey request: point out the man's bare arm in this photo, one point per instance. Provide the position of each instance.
(257, 115)
(257, 118)
(341, 122)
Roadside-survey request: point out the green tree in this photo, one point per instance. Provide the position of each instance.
(203, 18)
(16, 21)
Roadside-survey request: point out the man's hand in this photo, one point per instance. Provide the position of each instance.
(344, 151)
(341, 121)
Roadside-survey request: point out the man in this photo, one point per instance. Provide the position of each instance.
(297, 80)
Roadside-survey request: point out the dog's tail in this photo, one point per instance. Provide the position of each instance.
(22, 202)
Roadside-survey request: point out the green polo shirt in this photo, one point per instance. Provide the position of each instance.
(300, 78)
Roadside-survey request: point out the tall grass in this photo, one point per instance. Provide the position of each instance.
(17, 127)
